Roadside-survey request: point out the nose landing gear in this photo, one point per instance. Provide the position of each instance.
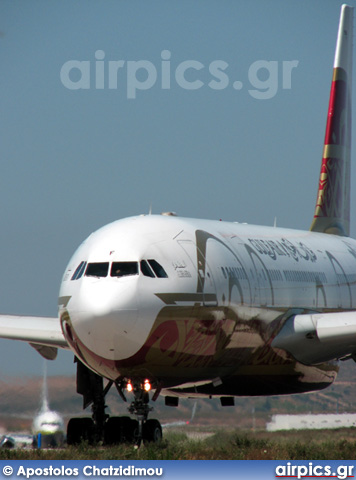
(148, 430)
(113, 430)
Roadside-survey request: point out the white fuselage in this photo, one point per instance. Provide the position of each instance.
(220, 293)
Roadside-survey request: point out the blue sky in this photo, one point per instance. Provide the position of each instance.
(74, 159)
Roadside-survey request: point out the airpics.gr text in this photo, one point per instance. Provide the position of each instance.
(264, 76)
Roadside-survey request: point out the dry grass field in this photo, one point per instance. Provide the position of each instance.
(219, 445)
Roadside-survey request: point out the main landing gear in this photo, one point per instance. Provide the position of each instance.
(101, 428)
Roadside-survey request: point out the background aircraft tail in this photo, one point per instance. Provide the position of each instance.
(332, 210)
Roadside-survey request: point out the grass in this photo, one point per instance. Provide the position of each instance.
(221, 445)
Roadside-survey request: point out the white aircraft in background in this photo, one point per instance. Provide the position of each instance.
(196, 308)
(47, 426)
(47, 422)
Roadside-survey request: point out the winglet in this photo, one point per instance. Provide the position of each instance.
(332, 210)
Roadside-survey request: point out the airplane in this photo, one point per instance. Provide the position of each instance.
(47, 428)
(179, 307)
(48, 425)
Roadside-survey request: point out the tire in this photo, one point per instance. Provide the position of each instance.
(152, 431)
(129, 431)
(79, 430)
(113, 431)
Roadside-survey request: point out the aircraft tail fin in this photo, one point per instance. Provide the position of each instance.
(332, 210)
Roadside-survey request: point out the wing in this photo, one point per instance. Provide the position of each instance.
(319, 337)
(42, 333)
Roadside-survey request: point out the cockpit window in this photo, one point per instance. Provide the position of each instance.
(123, 269)
(158, 269)
(149, 268)
(97, 269)
(145, 269)
(79, 271)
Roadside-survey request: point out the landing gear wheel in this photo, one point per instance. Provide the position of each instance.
(79, 430)
(129, 430)
(152, 431)
(113, 431)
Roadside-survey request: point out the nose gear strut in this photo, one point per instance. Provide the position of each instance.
(112, 430)
(141, 409)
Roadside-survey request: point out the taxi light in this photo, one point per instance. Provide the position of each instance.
(129, 387)
(147, 386)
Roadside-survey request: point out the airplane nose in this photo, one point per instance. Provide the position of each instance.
(106, 317)
(102, 299)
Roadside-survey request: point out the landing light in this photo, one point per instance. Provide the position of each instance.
(129, 387)
(147, 386)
